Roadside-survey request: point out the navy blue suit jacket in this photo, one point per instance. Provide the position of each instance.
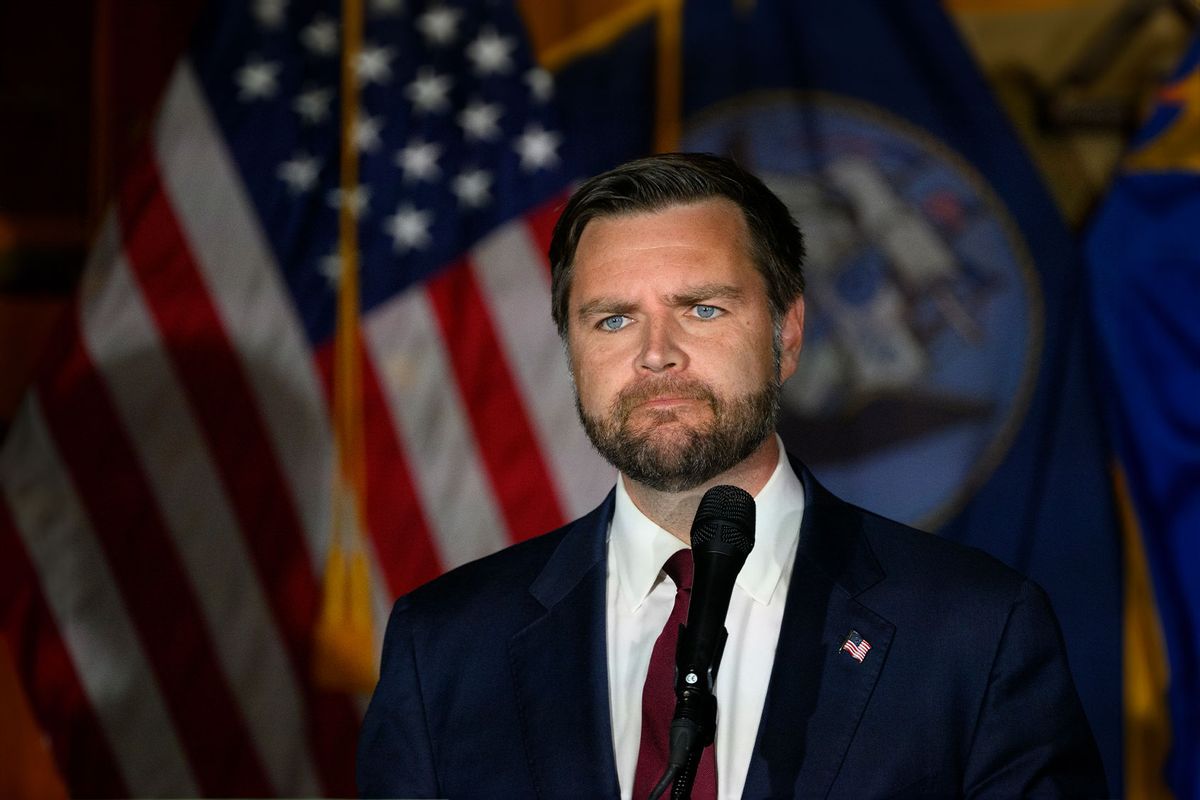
(494, 677)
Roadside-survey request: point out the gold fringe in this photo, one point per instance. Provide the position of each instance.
(1146, 722)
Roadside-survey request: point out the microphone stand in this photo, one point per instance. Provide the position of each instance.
(722, 537)
(682, 790)
(695, 724)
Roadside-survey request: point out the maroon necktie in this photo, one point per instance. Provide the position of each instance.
(658, 697)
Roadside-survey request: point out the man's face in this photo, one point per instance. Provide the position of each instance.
(672, 344)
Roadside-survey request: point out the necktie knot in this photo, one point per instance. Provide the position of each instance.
(679, 569)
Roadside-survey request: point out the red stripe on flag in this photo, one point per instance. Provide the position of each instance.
(87, 431)
(222, 401)
(48, 675)
(540, 222)
(498, 418)
(395, 520)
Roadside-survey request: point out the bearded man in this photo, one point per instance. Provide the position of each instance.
(864, 658)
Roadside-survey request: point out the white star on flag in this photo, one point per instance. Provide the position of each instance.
(321, 36)
(480, 121)
(428, 92)
(258, 79)
(409, 228)
(473, 188)
(313, 105)
(491, 53)
(374, 64)
(270, 13)
(538, 148)
(365, 132)
(540, 83)
(299, 172)
(331, 267)
(439, 25)
(385, 7)
(357, 199)
(418, 159)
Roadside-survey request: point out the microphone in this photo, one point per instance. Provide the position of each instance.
(722, 537)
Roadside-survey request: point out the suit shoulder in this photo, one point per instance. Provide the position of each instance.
(906, 553)
(495, 575)
(921, 572)
(860, 549)
(505, 576)
(957, 595)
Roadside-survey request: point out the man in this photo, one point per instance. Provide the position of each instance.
(865, 659)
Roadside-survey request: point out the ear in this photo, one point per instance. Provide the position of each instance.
(791, 338)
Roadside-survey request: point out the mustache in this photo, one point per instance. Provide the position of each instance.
(649, 389)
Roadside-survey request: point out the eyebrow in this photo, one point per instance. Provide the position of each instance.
(691, 296)
(605, 305)
(705, 291)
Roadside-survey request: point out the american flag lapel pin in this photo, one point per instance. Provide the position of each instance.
(855, 645)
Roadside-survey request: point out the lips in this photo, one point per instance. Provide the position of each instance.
(654, 402)
(662, 394)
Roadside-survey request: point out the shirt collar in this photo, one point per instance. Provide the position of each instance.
(640, 547)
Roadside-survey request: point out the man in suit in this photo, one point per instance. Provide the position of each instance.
(865, 659)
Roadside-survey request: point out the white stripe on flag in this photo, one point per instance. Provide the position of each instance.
(126, 349)
(415, 374)
(89, 612)
(256, 309)
(513, 278)
(382, 600)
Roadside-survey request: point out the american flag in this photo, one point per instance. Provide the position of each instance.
(166, 506)
(856, 646)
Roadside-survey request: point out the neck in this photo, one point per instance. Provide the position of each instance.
(674, 511)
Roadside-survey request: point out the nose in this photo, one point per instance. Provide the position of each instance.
(661, 346)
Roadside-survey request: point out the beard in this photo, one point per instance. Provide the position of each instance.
(667, 455)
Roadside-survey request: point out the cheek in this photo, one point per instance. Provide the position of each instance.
(594, 387)
(594, 359)
(751, 357)
(584, 374)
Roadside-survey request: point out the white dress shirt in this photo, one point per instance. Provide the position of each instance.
(639, 600)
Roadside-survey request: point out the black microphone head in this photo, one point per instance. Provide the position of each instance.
(725, 521)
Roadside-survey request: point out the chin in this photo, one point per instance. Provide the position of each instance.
(648, 419)
(671, 441)
(667, 432)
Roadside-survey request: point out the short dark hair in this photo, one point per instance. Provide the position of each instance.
(659, 182)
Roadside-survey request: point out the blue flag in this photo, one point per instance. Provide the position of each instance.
(1144, 257)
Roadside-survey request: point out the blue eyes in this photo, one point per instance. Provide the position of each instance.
(618, 321)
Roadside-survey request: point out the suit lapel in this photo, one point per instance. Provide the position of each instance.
(560, 669)
(817, 692)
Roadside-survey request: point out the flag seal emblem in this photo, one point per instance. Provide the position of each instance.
(923, 331)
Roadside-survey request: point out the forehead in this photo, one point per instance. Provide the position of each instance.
(703, 236)
(714, 216)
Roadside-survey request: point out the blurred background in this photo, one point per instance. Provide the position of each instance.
(275, 348)
(82, 80)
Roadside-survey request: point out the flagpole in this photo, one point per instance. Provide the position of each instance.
(345, 657)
